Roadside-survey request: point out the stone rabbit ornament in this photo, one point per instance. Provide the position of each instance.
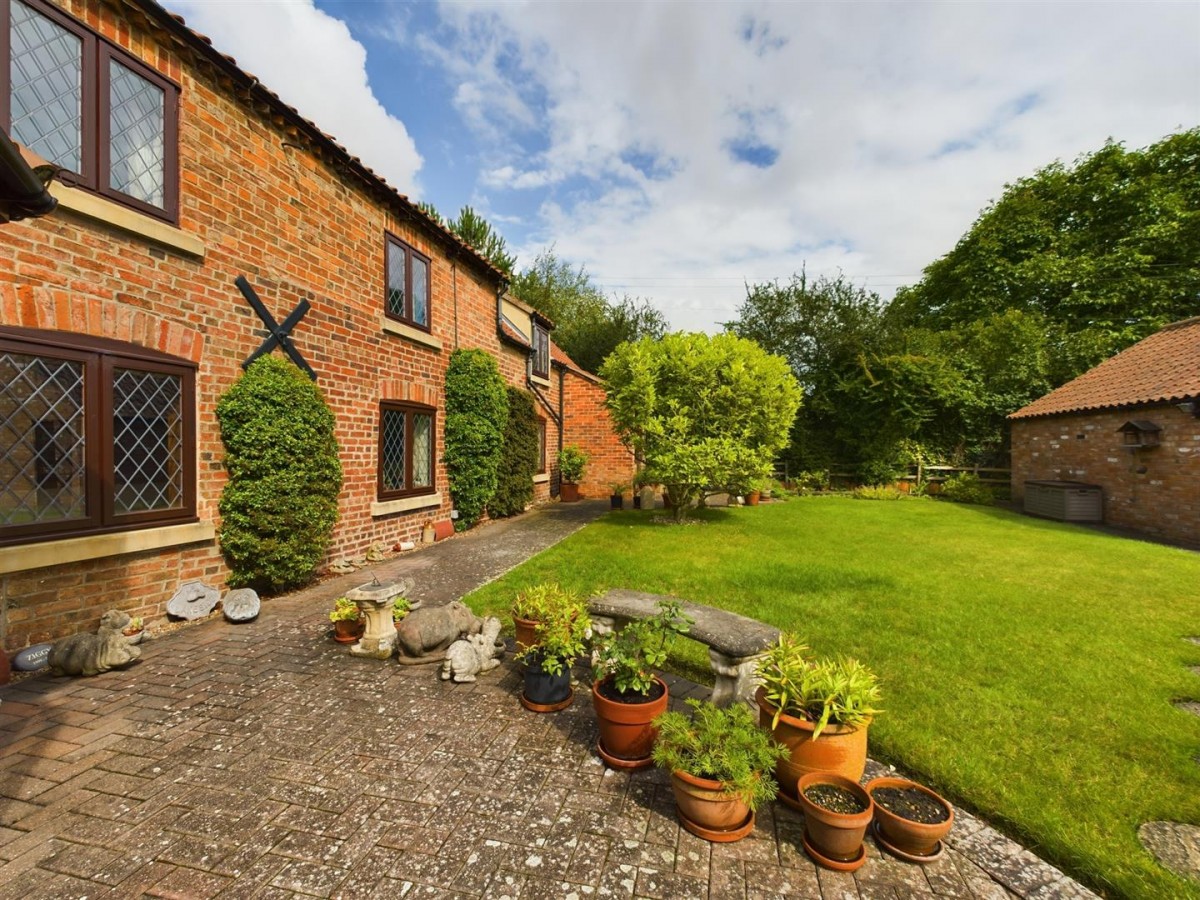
(474, 654)
(92, 654)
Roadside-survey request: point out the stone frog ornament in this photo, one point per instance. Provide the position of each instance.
(473, 655)
(92, 654)
(424, 634)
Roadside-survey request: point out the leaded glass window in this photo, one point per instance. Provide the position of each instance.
(95, 436)
(406, 450)
(46, 71)
(136, 135)
(406, 274)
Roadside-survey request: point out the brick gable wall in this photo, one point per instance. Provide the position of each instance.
(1155, 491)
(297, 230)
(586, 423)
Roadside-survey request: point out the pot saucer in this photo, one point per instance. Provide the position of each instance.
(548, 707)
(939, 848)
(717, 835)
(616, 762)
(837, 865)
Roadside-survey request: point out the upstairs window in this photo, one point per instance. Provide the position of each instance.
(76, 100)
(541, 351)
(96, 436)
(406, 450)
(407, 279)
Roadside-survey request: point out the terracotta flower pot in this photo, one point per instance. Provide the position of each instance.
(526, 631)
(347, 631)
(626, 735)
(840, 748)
(567, 492)
(707, 811)
(909, 839)
(134, 637)
(753, 497)
(835, 839)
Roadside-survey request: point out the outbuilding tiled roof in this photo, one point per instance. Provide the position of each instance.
(1163, 368)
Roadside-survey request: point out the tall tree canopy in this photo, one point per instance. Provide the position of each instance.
(477, 231)
(588, 324)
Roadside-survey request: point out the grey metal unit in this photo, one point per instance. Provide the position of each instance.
(1067, 501)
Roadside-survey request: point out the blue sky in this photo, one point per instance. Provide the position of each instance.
(679, 150)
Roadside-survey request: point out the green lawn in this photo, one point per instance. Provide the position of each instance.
(1028, 667)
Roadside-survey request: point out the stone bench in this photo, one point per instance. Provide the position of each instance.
(735, 643)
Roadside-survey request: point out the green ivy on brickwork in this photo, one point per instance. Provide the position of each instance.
(518, 459)
(279, 506)
(476, 415)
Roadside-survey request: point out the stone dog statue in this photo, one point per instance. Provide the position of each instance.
(91, 654)
(473, 655)
(424, 634)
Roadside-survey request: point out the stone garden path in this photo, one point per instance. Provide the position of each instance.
(261, 760)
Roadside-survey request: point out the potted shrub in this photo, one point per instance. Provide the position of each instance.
(837, 812)
(719, 762)
(558, 639)
(910, 819)
(819, 709)
(537, 603)
(616, 498)
(626, 693)
(400, 608)
(571, 463)
(134, 630)
(347, 621)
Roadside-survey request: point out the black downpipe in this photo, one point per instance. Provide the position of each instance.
(23, 194)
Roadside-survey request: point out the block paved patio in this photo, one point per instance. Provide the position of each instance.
(261, 760)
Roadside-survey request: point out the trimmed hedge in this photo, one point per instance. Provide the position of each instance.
(476, 415)
(279, 506)
(518, 457)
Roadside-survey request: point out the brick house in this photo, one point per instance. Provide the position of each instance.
(121, 325)
(1130, 425)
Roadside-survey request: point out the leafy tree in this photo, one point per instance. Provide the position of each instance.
(518, 458)
(702, 412)
(476, 416)
(588, 325)
(279, 506)
(478, 232)
(1104, 250)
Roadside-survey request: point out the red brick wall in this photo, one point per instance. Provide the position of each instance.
(1155, 490)
(586, 424)
(297, 230)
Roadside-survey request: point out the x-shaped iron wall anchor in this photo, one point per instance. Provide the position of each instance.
(278, 335)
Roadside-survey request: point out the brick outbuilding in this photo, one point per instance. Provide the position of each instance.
(1132, 426)
(121, 324)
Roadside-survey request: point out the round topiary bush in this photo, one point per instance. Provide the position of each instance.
(476, 415)
(518, 457)
(279, 506)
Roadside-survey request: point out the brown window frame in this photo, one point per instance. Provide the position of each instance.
(541, 446)
(95, 137)
(409, 409)
(389, 241)
(541, 351)
(100, 356)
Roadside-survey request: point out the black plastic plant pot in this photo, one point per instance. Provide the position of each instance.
(617, 501)
(544, 689)
(637, 501)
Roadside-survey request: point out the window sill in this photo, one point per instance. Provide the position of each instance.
(542, 478)
(539, 380)
(22, 557)
(405, 504)
(96, 207)
(416, 335)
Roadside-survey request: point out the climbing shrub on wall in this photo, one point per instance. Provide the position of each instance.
(518, 457)
(476, 415)
(279, 506)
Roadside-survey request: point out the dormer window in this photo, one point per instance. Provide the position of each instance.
(541, 351)
(87, 106)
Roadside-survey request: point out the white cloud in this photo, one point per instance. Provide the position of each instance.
(886, 127)
(311, 61)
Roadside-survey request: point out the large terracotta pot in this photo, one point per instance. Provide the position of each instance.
(911, 840)
(567, 492)
(626, 735)
(526, 631)
(752, 498)
(348, 631)
(835, 839)
(706, 810)
(839, 749)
